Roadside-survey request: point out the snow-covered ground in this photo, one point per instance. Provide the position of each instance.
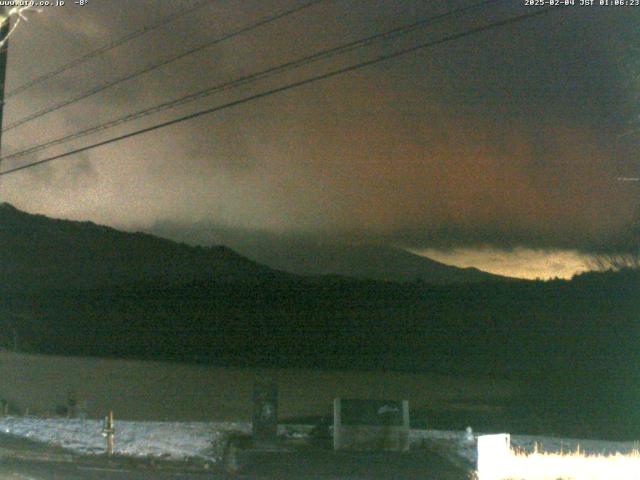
(205, 440)
(139, 439)
(460, 444)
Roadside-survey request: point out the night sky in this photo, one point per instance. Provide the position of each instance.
(508, 150)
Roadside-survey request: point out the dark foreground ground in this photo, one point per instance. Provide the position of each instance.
(77, 470)
(326, 464)
(25, 460)
(357, 467)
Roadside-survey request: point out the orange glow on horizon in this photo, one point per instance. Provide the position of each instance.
(519, 262)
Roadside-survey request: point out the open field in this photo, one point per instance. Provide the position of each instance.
(140, 390)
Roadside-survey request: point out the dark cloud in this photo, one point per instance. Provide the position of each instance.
(507, 139)
(78, 175)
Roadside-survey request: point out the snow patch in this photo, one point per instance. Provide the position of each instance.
(458, 443)
(170, 440)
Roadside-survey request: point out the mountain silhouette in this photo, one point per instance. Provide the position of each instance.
(38, 251)
(302, 256)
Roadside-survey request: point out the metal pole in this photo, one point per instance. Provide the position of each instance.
(4, 51)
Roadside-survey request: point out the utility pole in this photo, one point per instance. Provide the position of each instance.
(4, 31)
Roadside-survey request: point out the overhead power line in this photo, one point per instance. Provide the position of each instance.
(105, 48)
(321, 55)
(289, 86)
(161, 63)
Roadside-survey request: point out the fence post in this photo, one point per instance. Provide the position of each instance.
(108, 431)
(265, 414)
(337, 424)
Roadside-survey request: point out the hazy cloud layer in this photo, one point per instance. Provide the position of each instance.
(505, 139)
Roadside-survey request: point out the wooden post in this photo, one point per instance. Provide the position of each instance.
(405, 443)
(337, 424)
(265, 414)
(108, 431)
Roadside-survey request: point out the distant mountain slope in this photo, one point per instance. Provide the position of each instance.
(307, 257)
(363, 261)
(38, 251)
